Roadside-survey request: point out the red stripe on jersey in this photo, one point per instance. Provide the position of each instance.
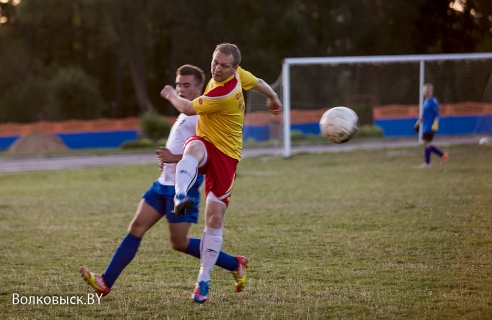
(224, 90)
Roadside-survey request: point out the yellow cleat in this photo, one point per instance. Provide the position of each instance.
(95, 281)
(240, 273)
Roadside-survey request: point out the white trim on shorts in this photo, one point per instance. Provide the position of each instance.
(212, 197)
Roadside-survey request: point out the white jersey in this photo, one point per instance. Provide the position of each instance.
(183, 128)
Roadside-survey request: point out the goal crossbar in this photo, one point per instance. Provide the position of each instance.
(397, 58)
(287, 62)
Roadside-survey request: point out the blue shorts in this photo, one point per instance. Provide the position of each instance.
(161, 198)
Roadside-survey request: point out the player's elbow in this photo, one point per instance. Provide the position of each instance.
(187, 108)
(265, 89)
(189, 112)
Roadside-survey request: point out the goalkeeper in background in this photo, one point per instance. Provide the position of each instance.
(429, 120)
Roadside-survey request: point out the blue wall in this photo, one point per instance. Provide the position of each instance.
(263, 133)
(109, 139)
(86, 140)
(258, 133)
(447, 126)
(5, 142)
(391, 128)
(113, 139)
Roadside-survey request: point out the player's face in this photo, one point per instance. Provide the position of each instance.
(222, 66)
(427, 92)
(187, 87)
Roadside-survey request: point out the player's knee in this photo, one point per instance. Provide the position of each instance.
(137, 228)
(193, 146)
(179, 244)
(196, 149)
(214, 222)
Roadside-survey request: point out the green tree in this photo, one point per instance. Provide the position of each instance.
(127, 20)
(28, 101)
(464, 27)
(134, 47)
(154, 127)
(75, 95)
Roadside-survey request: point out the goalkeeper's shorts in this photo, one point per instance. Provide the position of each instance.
(427, 137)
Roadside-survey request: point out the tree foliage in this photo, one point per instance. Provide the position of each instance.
(154, 127)
(26, 102)
(133, 48)
(74, 94)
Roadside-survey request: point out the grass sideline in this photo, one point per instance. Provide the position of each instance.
(349, 235)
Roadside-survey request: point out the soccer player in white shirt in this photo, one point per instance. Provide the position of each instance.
(157, 201)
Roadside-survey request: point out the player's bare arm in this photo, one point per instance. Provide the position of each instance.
(273, 102)
(181, 104)
(165, 155)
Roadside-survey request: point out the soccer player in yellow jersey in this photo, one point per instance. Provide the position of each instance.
(215, 151)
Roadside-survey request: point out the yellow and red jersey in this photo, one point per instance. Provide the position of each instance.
(221, 111)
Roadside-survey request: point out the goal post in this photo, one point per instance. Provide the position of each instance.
(385, 91)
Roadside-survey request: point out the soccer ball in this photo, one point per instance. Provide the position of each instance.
(483, 140)
(339, 124)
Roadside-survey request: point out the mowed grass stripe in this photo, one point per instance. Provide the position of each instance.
(349, 235)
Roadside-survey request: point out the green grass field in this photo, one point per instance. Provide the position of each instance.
(350, 235)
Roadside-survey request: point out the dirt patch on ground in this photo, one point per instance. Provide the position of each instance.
(36, 142)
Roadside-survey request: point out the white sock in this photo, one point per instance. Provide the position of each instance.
(186, 172)
(210, 247)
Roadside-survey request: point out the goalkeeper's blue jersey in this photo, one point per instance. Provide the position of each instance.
(429, 113)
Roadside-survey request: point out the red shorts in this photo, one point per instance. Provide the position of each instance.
(219, 170)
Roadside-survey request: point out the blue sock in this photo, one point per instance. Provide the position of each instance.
(427, 155)
(123, 255)
(436, 151)
(224, 260)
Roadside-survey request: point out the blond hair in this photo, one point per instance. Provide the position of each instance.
(429, 85)
(229, 49)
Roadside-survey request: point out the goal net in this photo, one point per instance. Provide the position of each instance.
(385, 92)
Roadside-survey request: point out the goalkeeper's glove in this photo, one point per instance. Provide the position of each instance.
(416, 126)
(435, 125)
